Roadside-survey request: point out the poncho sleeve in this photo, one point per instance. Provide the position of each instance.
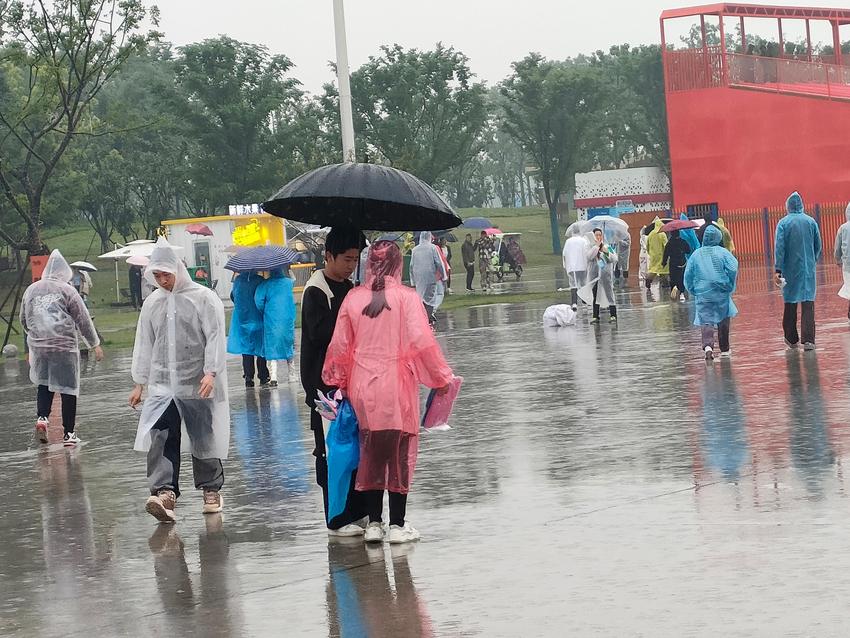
(143, 346)
(338, 360)
(423, 351)
(80, 314)
(212, 325)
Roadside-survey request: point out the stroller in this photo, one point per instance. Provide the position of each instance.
(511, 259)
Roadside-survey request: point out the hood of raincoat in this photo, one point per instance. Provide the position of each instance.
(712, 236)
(57, 268)
(794, 203)
(164, 259)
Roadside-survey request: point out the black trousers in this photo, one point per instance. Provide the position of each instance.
(612, 310)
(248, 368)
(354, 509)
(470, 275)
(44, 403)
(374, 500)
(722, 335)
(677, 278)
(807, 321)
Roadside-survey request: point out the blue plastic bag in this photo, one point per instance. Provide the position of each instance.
(343, 450)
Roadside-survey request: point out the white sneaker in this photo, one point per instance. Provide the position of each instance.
(374, 533)
(70, 440)
(406, 534)
(808, 346)
(725, 354)
(356, 528)
(709, 353)
(682, 297)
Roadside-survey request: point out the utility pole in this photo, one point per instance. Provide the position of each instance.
(346, 119)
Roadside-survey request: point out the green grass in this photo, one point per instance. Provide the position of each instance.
(118, 325)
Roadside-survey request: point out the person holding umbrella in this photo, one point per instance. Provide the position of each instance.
(676, 253)
(382, 349)
(246, 329)
(427, 274)
(601, 258)
(320, 304)
(797, 249)
(52, 315)
(275, 301)
(180, 360)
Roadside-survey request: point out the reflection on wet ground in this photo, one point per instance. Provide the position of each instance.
(598, 481)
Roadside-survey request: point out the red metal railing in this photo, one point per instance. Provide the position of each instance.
(692, 69)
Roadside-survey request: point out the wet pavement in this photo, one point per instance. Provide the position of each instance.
(598, 481)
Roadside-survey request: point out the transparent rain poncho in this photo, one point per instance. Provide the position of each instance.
(53, 315)
(842, 253)
(689, 235)
(575, 257)
(600, 272)
(710, 277)
(427, 271)
(180, 338)
(382, 350)
(797, 248)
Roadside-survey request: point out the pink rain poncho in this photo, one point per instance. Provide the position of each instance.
(382, 349)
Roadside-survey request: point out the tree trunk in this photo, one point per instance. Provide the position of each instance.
(553, 218)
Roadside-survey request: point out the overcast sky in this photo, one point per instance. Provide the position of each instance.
(492, 33)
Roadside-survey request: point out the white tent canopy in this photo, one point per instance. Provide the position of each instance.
(137, 248)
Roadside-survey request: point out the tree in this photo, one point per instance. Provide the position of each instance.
(55, 61)
(549, 109)
(418, 110)
(230, 93)
(635, 118)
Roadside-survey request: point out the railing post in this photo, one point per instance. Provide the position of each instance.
(817, 219)
(768, 249)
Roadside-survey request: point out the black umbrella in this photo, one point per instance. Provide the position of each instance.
(363, 196)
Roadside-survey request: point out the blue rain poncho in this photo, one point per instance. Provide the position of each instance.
(689, 235)
(710, 277)
(842, 253)
(276, 302)
(427, 272)
(797, 248)
(246, 323)
(343, 452)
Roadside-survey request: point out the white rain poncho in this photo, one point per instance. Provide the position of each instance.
(842, 253)
(52, 315)
(427, 272)
(180, 337)
(600, 270)
(558, 316)
(575, 257)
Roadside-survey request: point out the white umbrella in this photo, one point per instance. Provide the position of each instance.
(139, 260)
(137, 248)
(84, 265)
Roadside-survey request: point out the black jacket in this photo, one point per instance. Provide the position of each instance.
(318, 320)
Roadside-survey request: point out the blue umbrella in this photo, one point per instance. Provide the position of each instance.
(477, 222)
(261, 258)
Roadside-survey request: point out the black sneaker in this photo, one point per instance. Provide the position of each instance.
(249, 383)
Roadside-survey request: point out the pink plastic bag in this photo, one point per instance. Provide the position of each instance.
(438, 408)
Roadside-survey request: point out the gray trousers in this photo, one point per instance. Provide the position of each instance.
(164, 458)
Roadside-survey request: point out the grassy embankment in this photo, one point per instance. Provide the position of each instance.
(117, 325)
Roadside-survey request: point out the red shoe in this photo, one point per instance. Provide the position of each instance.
(41, 429)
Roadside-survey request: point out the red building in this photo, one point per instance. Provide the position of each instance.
(747, 127)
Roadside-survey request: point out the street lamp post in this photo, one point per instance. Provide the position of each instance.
(345, 114)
